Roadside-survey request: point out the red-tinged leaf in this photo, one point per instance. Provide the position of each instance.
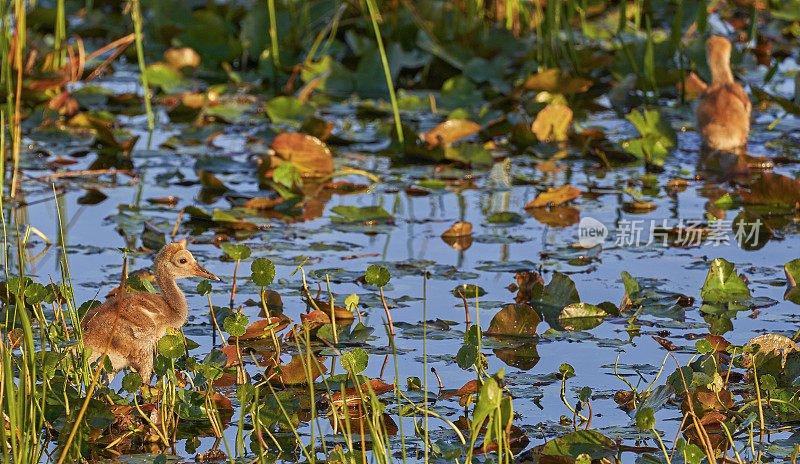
(307, 153)
(469, 388)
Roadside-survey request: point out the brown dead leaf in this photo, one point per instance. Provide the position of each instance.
(352, 396)
(294, 373)
(552, 123)
(459, 229)
(769, 346)
(559, 216)
(262, 203)
(258, 329)
(666, 344)
(451, 131)
(554, 196)
(469, 388)
(309, 154)
(182, 57)
(554, 81)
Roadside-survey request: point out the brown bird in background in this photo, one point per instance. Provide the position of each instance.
(723, 112)
(143, 317)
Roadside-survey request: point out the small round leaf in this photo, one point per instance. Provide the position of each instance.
(204, 287)
(377, 275)
(170, 346)
(263, 272)
(237, 252)
(355, 361)
(645, 418)
(236, 324)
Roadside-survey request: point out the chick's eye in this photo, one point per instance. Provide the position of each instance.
(183, 261)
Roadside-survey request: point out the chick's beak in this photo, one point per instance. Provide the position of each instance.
(200, 271)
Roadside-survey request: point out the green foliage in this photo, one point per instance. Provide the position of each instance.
(236, 324)
(377, 275)
(723, 285)
(355, 361)
(262, 272)
(237, 252)
(171, 346)
(657, 138)
(645, 419)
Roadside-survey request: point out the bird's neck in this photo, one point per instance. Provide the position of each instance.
(173, 296)
(720, 68)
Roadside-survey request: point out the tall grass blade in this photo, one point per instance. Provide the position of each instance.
(136, 17)
(373, 15)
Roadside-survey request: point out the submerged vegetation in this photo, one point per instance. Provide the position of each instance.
(423, 213)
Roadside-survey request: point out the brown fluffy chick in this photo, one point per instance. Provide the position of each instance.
(143, 317)
(723, 112)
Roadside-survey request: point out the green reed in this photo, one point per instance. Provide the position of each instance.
(136, 17)
(373, 15)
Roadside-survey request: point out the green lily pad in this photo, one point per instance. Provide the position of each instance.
(288, 110)
(657, 137)
(573, 444)
(723, 285)
(581, 316)
(361, 214)
(792, 269)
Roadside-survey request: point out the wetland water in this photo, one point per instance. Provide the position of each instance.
(196, 179)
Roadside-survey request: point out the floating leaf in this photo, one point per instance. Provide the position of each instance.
(211, 182)
(459, 236)
(657, 137)
(770, 346)
(161, 75)
(723, 285)
(288, 110)
(361, 214)
(792, 270)
(573, 444)
(515, 320)
(555, 81)
(552, 123)
(294, 373)
(468, 291)
(451, 131)
(473, 154)
(645, 419)
(505, 217)
(581, 316)
(459, 229)
(308, 154)
(554, 196)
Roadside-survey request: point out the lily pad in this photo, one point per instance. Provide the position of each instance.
(515, 320)
(308, 154)
(554, 196)
(451, 131)
(581, 316)
(723, 285)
